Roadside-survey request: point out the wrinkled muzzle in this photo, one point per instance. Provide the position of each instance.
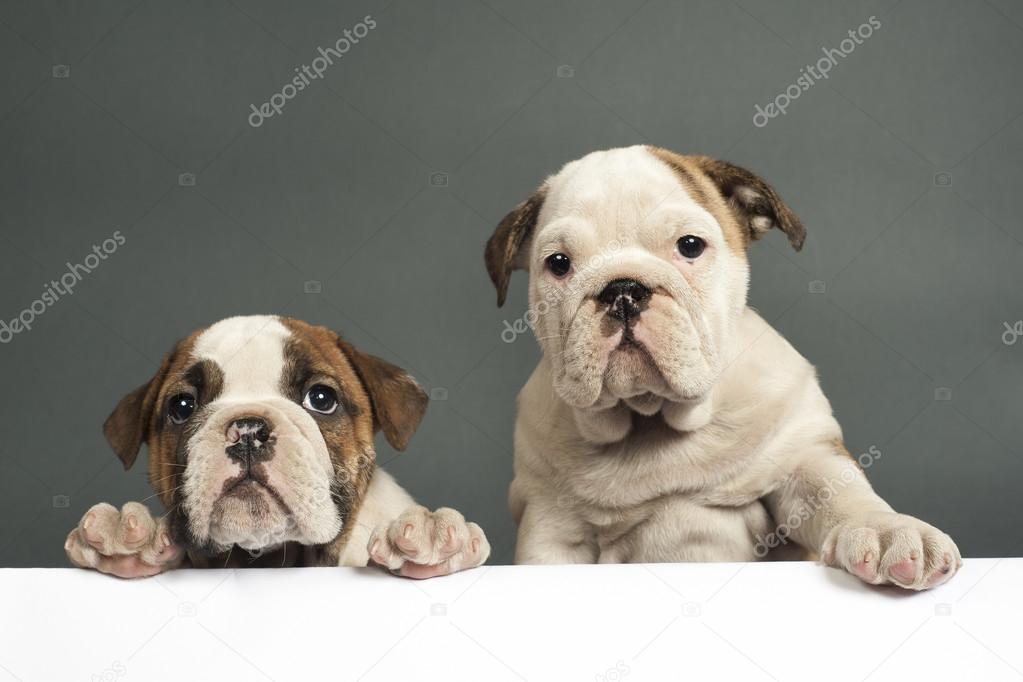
(258, 474)
(636, 333)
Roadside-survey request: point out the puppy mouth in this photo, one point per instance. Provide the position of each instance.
(628, 342)
(251, 485)
(245, 486)
(611, 326)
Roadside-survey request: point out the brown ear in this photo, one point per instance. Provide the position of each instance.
(399, 403)
(757, 205)
(504, 252)
(128, 425)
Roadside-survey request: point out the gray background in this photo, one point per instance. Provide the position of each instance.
(904, 165)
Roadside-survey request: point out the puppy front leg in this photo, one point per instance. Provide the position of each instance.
(424, 544)
(549, 533)
(127, 543)
(393, 531)
(826, 504)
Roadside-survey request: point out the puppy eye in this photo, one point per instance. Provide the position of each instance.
(690, 247)
(320, 399)
(181, 407)
(559, 264)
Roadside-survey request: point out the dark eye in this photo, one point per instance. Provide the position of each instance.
(559, 264)
(691, 247)
(320, 399)
(181, 407)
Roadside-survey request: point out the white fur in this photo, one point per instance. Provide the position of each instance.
(738, 435)
(250, 351)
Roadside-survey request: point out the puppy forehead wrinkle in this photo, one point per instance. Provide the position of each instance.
(621, 187)
(250, 352)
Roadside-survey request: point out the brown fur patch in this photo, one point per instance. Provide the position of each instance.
(166, 440)
(751, 205)
(312, 356)
(140, 417)
(374, 395)
(503, 253)
(705, 193)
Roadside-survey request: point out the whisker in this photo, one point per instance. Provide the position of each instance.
(174, 489)
(164, 478)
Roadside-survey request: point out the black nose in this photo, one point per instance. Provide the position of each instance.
(624, 296)
(248, 433)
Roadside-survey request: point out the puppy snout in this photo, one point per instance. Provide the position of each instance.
(247, 437)
(625, 298)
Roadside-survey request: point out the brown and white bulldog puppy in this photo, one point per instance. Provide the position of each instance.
(260, 432)
(667, 421)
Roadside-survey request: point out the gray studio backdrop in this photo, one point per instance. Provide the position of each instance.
(363, 202)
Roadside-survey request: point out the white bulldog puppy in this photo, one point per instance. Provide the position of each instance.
(667, 421)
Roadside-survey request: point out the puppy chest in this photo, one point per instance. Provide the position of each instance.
(678, 528)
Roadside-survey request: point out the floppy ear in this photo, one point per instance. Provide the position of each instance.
(505, 251)
(128, 425)
(757, 205)
(399, 403)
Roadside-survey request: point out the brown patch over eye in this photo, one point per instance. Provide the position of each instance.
(311, 361)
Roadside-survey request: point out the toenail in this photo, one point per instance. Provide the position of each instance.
(408, 530)
(87, 521)
(133, 523)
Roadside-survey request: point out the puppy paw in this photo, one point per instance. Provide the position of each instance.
(889, 548)
(128, 543)
(422, 543)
